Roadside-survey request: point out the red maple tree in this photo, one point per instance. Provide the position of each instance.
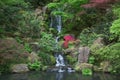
(99, 4)
(67, 39)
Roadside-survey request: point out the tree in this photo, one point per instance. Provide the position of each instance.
(115, 28)
(99, 4)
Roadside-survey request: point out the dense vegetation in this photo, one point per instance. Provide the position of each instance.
(21, 19)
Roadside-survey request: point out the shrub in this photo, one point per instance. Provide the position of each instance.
(37, 65)
(91, 59)
(46, 58)
(27, 47)
(109, 53)
(87, 37)
(70, 59)
(86, 71)
(48, 43)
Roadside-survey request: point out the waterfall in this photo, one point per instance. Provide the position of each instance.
(56, 22)
(59, 60)
(59, 24)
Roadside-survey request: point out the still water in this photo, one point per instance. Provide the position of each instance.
(57, 76)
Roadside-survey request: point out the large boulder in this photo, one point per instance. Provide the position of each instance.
(10, 49)
(33, 57)
(98, 43)
(99, 40)
(18, 68)
(105, 66)
(12, 52)
(83, 54)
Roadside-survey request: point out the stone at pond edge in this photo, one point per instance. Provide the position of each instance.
(19, 68)
(81, 66)
(105, 66)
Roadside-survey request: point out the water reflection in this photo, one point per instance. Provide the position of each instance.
(57, 76)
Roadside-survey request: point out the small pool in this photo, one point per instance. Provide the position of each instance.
(57, 76)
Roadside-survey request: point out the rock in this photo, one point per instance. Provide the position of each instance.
(97, 44)
(33, 57)
(83, 54)
(105, 66)
(12, 52)
(99, 41)
(96, 68)
(69, 50)
(38, 11)
(18, 68)
(11, 49)
(81, 66)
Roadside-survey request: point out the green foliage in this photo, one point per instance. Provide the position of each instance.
(6, 63)
(19, 40)
(68, 10)
(116, 10)
(71, 60)
(91, 59)
(27, 47)
(9, 15)
(47, 43)
(115, 28)
(46, 58)
(37, 65)
(87, 37)
(36, 3)
(86, 71)
(53, 5)
(4, 68)
(13, 2)
(109, 53)
(30, 26)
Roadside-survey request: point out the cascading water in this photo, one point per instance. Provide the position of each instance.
(59, 60)
(57, 23)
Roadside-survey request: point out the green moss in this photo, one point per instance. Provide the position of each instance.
(86, 71)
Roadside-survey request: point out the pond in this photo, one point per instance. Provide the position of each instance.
(57, 76)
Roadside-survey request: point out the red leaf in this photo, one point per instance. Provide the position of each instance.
(99, 3)
(67, 38)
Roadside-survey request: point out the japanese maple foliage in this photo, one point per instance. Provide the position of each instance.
(67, 39)
(99, 3)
